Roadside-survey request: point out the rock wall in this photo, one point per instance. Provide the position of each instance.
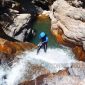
(9, 50)
(70, 76)
(16, 21)
(67, 24)
(18, 29)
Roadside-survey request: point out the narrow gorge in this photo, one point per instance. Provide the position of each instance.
(21, 21)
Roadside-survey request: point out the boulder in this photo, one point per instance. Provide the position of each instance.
(18, 29)
(67, 24)
(9, 50)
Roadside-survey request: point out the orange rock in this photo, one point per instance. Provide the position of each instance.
(59, 35)
(79, 52)
(76, 48)
(14, 47)
(5, 49)
(42, 17)
(9, 50)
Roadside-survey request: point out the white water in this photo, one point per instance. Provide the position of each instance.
(54, 60)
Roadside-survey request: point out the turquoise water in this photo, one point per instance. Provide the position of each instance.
(44, 25)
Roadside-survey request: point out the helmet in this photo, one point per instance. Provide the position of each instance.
(42, 34)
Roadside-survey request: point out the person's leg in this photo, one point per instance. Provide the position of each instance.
(45, 47)
(39, 49)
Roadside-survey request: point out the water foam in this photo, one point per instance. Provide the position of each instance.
(54, 60)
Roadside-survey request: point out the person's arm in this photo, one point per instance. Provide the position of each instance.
(45, 40)
(39, 44)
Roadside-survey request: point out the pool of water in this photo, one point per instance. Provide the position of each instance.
(44, 25)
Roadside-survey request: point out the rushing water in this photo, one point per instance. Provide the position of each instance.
(54, 60)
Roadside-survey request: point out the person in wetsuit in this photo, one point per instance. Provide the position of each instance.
(44, 40)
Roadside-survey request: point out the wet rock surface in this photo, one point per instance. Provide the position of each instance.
(68, 26)
(74, 76)
(9, 50)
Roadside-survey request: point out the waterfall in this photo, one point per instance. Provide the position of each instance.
(53, 60)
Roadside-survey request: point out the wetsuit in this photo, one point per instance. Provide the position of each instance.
(44, 41)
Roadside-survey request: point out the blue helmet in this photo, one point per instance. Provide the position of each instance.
(42, 34)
